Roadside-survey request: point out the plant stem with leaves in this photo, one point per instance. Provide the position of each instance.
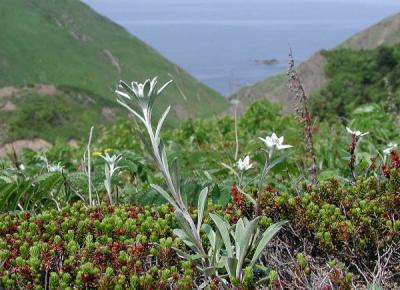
(141, 98)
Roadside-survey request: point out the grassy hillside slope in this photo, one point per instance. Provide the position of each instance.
(51, 112)
(66, 43)
(312, 71)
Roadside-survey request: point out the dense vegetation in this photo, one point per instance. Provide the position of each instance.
(341, 233)
(358, 77)
(60, 113)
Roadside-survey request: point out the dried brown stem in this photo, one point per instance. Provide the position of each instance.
(304, 116)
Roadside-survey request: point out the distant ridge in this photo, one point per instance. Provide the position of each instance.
(312, 71)
(66, 43)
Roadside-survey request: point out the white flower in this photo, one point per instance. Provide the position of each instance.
(145, 93)
(112, 161)
(356, 133)
(55, 168)
(244, 164)
(390, 148)
(22, 167)
(273, 142)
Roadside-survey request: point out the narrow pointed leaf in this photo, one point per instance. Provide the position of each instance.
(164, 86)
(165, 195)
(223, 228)
(201, 207)
(265, 239)
(161, 122)
(244, 242)
(176, 180)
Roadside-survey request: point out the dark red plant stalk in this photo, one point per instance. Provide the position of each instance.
(304, 116)
(239, 200)
(394, 164)
(394, 155)
(352, 149)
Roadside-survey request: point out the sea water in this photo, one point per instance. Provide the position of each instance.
(228, 43)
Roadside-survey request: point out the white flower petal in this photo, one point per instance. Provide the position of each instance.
(349, 130)
(281, 147)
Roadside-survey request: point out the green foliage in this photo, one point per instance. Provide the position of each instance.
(357, 78)
(99, 247)
(64, 114)
(343, 218)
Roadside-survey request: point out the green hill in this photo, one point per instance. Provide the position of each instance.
(51, 112)
(66, 43)
(312, 71)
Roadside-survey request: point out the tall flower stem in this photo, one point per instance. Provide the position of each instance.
(261, 185)
(304, 116)
(89, 167)
(142, 97)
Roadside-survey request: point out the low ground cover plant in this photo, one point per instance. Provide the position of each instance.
(240, 210)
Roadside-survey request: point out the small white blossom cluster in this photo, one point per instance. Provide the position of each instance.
(244, 165)
(271, 142)
(356, 133)
(390, 148)
(274, 142)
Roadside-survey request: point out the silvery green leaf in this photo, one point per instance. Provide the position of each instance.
(175, 175)
(165, 195)
(215, 242)
(129, 89)
(160, 123)
(201, 206)
(184, 224)
(181, 234)
(374, 286)
(265, 239)
(244, 242)
(164, 86)
(230, 265)
(164, 158)
(223, 228)
(187, 256)
(209, 232)
(131, 110)
(122, 94)
(239, 230)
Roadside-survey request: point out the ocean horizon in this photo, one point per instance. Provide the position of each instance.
(228, 44)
